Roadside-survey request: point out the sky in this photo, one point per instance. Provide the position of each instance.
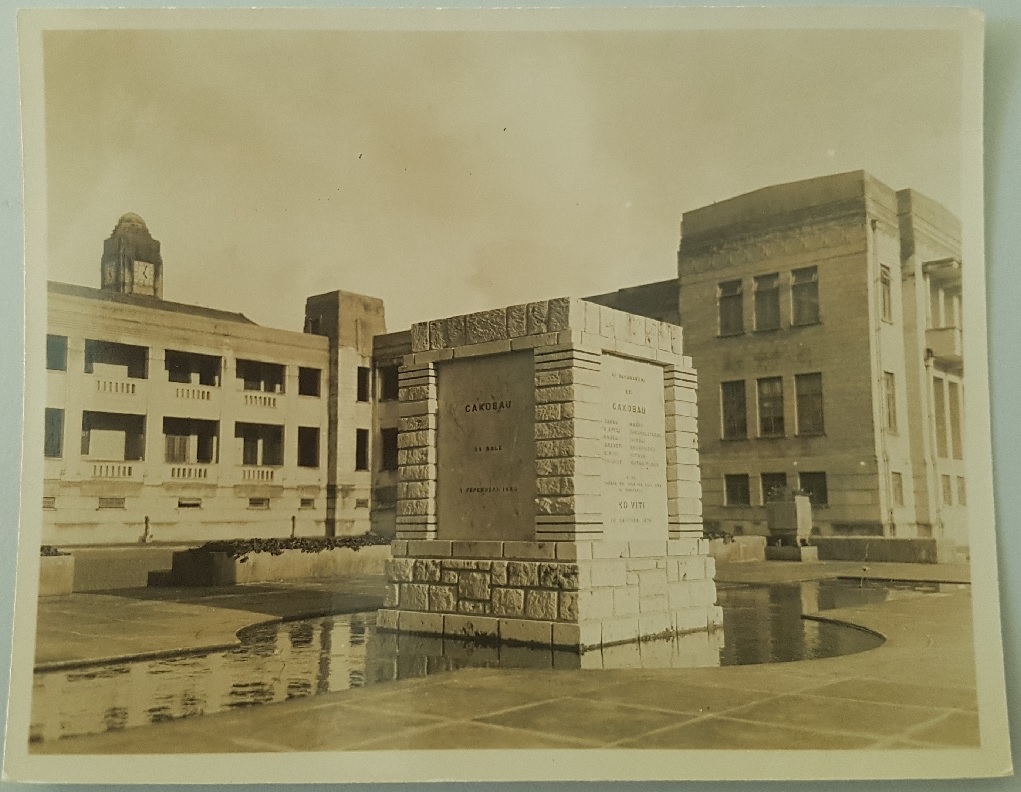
(450, 172)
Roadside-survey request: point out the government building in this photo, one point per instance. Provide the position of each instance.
(823, 318)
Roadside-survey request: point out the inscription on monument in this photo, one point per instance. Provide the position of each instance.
(486, 448)
(634, 450)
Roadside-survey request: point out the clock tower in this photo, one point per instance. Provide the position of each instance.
(131, 259)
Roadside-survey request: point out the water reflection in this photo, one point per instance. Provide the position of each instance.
(277, 662)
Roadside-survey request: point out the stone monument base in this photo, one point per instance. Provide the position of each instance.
(574, 595)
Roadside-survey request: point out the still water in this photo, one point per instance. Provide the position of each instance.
(280, 661)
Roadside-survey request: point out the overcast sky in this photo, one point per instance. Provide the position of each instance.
(453, 172)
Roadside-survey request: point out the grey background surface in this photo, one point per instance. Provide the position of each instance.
(1003, 259)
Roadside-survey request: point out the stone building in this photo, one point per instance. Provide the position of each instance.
(824, 319)
(174, 422)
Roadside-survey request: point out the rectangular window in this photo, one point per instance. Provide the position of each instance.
(808, 390)
(962, 497)
(308, 503)
(948, 490)
(731, 302)
(54, 445)
(113, 437)
(258, 375)
(258, 503)
(261, 444)
(56, 353)
(954, 397)
(771, 407)
(110, 359)
(111, 503)
(897, 482)
(389, 383)
(890, 400)
(774, 486)
(192, 368)
(361, 449)
(190, 440)
(886, 293)
(388, 449)
(189, 503)
(177, 449)
(767, 302)
(805, 296)
(308, 446)
(49, 502)
(308, 381)
(735, 410)
(361, 503)
(738, 490)
(939, 401)
(364, 380)
(814, 485)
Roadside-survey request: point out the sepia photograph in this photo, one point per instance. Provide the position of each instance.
(582, 392)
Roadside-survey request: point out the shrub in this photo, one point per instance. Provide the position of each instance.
(49, 551)
(242, 548)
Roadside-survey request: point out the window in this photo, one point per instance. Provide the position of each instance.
(737, 489)
(259, 376)
(805, 296)
(258, 503)
(114, 437)
(962, 498)
(890, 394)
(771, 407)
(388, 449)
(308, 503)
(177, 449)
(731, 302)
(111, 503)
(193, 368)
(364, 380)
(734, 409)
(308, 446)
(308, 381)
(361, 503)
(261, 444)
(56, 353)
(954, 397)
(814, 485)
(389, 383)
(49, 502)
(897, 484)
(54, 445)
(189, 503)
(808, 390)
(886, 294)
(767, 302)
(361, 449)
(110, 359)
(774, 486)
(190, 440)
(948, 490)
(939, 401)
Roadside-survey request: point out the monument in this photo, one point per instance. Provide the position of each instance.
(548, 481)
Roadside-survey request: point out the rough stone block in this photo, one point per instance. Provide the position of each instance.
(417, 473)
(387, 619)
(427, 570)
(416, 490)
(414, 596)
(508, 602)
(420, 337)
(471, 626)
(541, 605)
(548, 412)
(522, 573)
(558, 576)
(516, 321)
(473, 607)
(398, 548)
(473, 586)
(419, 622)
(400, 570)
(526, 631)
(391, 595)
(498, 573)
(554, 430)
(567, 607)
(537, 315)
(416, 508)
(416, 456)
(486, 326)
(443, 598)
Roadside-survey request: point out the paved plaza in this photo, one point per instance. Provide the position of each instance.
(917, 690)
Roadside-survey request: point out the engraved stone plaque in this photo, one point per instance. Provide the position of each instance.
(634, 451)
(486, 448)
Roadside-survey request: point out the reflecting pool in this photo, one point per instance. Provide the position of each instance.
(281, 661)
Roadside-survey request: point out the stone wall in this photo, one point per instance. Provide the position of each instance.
(578, 594)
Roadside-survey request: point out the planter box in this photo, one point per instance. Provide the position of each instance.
(204, 568)
(865, 549)
(56, 575)
(792, 553)
(740, 548)
(790, 520)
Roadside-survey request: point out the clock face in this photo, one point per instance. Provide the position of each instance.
(145, 274)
